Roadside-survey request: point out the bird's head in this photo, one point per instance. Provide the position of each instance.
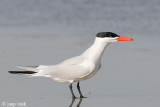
(112, 37)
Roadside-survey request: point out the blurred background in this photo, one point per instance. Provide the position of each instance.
(46, 32)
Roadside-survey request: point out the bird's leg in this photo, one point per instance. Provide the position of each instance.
(70, 87)
(78, 87)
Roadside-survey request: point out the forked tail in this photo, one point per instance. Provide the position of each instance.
(29, 70)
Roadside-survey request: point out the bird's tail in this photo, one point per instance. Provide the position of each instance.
(28, 70)
(32, 71)
(22, 72)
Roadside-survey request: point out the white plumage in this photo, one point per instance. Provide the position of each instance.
(77, 68)
(74, 69)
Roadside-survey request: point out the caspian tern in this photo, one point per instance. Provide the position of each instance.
(78, 68)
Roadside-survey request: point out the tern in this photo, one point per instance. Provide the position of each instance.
(78, 68)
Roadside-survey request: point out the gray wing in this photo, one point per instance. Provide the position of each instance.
(74, 61)
(68, 70)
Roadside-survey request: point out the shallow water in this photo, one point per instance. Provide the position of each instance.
(48, 32)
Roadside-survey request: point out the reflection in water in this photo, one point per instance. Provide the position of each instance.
(79, 103)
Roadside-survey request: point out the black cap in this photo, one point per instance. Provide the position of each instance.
(106, 34)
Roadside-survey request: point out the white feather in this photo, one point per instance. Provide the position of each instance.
(74, 69)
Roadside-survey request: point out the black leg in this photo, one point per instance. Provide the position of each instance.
(70, 87)
(78, 87)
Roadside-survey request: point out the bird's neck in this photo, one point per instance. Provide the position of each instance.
(96, 50)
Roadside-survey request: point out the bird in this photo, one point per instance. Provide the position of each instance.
(77, 68)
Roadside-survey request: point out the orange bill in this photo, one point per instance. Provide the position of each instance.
(123, 38)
